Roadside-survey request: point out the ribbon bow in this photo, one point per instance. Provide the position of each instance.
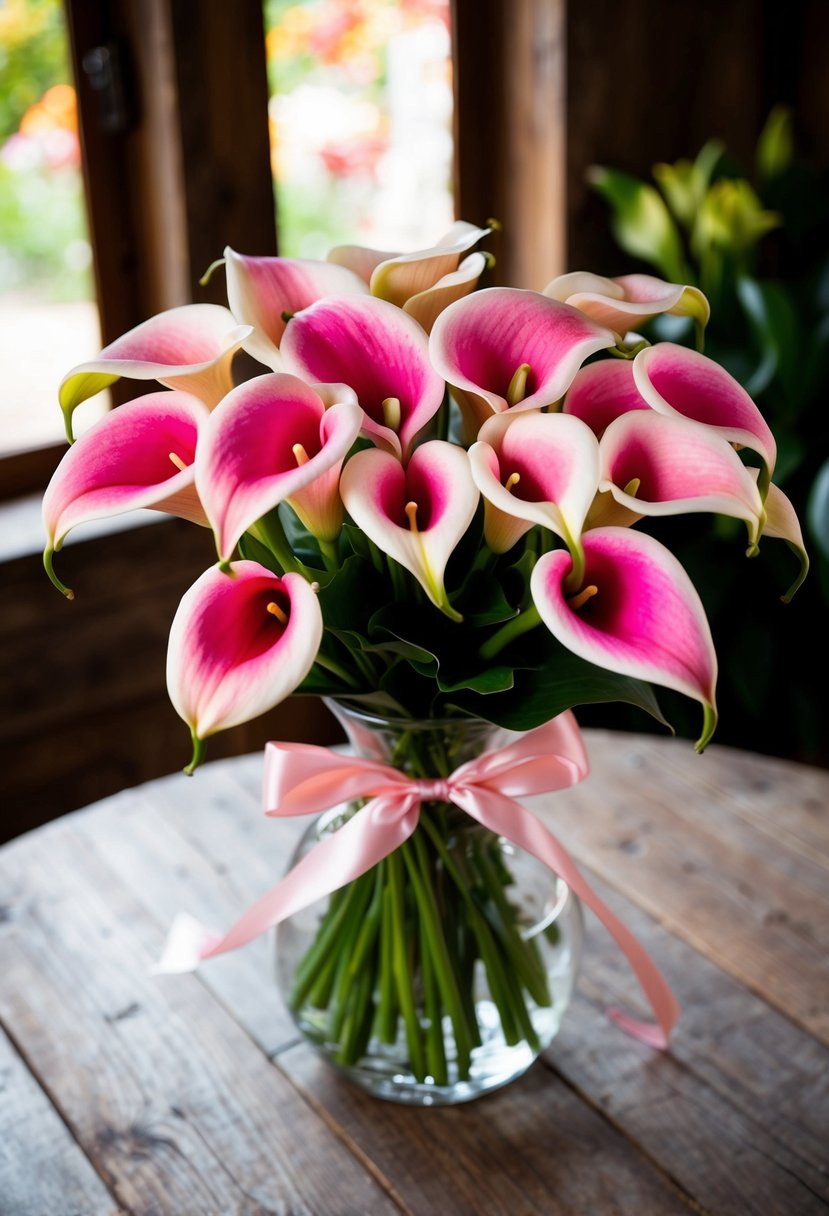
(303, 779)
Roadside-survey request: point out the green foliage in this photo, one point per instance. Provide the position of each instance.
(33, 56)
(760, 251)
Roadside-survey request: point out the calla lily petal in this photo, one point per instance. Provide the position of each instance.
(660, 464)
(506, 348)
(427, 305)
(603, 391)
(674, 380)
(239, 644)
(415, 514)
(541, 468)
(399, 278)
(190, 348)
(139, 455)
(636, 613)
(622, 304)
(260, 290)
(782, 522)
(378, 351)
(269, 438)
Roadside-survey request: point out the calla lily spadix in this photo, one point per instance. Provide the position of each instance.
(268, 440)
(139, 455)
(261, 290)
(397, 277)
(239, 644)
(189, 348)
(603, 391)
(674, 380)
(504, 348)
(660, 464)
(415, 514)
(380, 353)
(635, 613)
(623, 304)
(535, 468)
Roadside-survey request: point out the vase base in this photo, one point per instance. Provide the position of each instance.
(494, 1064)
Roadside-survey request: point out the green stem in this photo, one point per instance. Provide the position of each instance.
(271, 532)
(523, 623)
(402, 973)
(387, 1005)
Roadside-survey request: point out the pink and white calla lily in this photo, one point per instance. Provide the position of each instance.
(535, 468)
(260, 290)
(635, 612)
(603, 391)
(238, 646)
(380, 353)
(189, 348)
(782, 522)
(415, 514)
(397, 277)
(660, 464)
(624, 303)
(427, 305)
(504, 348)
(265, 444)
(674, 380)
(140, 455)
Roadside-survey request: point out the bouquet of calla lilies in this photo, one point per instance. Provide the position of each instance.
(429, 504)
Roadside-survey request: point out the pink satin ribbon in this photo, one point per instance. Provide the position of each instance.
(302, 779)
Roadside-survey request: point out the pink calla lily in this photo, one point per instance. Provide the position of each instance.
(635, 613)
(504, 348)
(260, 290)
(139, 455)
(782, 522)
(189, 348)
(623, 304)
(379, 352)
(535, 468)
(660, 464)
(415, 514)
(239, 644)
(603, 391)
(268, 441)
(674, 380)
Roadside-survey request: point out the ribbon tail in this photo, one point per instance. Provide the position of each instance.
(510, 819)
(337, 860)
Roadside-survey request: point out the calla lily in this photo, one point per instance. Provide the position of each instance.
(238, 646)
(622, 304)
(397, 277)
(504, 348)
(268, 440)
(139, 455)
(659, 464)
(415, 514)
(782, 522)
(635, 612)
(535, 468)
(427, 305)
(190, 348)
(674, 380)
(261, 290)
(603, 391)
(378, 351)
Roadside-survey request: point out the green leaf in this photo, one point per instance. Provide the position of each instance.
(775, 147)
(774, 325)
(564, 680)
(642, 223)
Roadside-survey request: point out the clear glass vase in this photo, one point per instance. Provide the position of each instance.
(445, 970)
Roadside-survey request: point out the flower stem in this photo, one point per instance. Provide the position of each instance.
(526, 620)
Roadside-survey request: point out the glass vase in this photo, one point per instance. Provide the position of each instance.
(445, 970)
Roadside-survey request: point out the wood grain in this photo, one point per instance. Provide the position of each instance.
(42, 1169)
(167, 1095)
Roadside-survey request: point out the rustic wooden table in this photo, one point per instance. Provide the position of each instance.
(123, 1092)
